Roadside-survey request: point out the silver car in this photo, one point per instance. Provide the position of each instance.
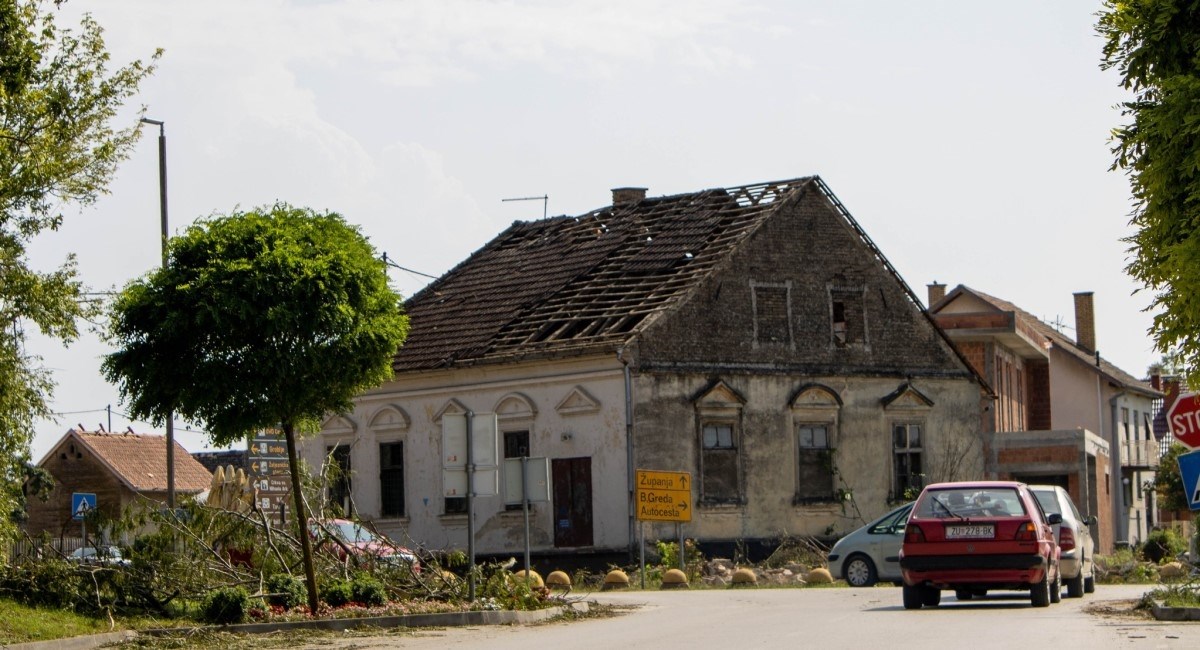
(872, 553)
(1074, 537)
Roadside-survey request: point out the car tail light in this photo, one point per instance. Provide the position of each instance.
(1026, 532)
(1066, 538)
(913, 534)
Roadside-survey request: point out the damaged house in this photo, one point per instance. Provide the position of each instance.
(751, 336)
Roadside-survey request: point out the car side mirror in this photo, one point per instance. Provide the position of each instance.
(1091, 520)
(1054, 518)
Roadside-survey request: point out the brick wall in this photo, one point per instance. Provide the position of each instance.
(74, 470)
(1037, 384)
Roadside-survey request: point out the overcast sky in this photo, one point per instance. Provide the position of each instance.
(970, 139)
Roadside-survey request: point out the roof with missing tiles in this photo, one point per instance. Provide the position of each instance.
(568, 285)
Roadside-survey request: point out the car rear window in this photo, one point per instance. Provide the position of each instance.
(1049, 501)
(970, 502)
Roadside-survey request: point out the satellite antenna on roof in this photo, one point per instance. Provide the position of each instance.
(545, 199)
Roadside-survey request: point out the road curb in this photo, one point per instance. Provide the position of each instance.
(1164, 613)
(74, 642)
(443, 619)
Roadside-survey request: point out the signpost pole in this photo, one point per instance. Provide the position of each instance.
(682, 557)
(525, 508)
(470, 511)
(642, 551)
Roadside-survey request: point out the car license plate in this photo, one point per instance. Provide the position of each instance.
(970, 532)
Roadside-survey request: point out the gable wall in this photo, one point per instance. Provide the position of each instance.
(84, 473)
(809, 248)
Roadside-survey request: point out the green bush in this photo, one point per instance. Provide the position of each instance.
(337, 593)
(48, 583)
(286, 591)
(368, 591)
(1163, 544)
(226, 606)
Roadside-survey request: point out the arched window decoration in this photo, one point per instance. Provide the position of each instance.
(719, 425)
(390, 425)
(814, 417)
(907, 410)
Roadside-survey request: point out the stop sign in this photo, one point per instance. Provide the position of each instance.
(1184, 419)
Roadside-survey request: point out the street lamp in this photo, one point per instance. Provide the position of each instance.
(162, 202)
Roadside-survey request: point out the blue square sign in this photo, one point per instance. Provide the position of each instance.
(1189, 471)
(81, 504)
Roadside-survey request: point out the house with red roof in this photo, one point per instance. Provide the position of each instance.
(121, 469)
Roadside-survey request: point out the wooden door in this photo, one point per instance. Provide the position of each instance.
(572, 501)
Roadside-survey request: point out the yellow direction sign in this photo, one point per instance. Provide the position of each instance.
(664, 496)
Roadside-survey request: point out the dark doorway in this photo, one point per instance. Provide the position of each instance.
(572, 501)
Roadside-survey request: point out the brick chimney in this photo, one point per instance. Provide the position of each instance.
(1085, 321)
(626, 196)
(937, 291)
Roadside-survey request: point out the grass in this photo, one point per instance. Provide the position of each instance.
(22, 623)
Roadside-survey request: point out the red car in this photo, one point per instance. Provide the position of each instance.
(972, 537)
(362, 543)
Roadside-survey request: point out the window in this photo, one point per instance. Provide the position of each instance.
(815, 464)
(772, 314)
(719, 462)
(516, 445)
(908, 473)
(391, 479)
(456, 506)
(847, 318)
(338, 472)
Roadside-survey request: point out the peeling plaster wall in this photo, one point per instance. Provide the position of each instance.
(667, 439)
(411, 407)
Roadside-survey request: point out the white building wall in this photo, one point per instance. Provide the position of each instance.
(571, 409)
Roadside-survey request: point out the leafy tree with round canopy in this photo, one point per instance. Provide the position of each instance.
(58, 147)
(260, 319)
(1155, 46)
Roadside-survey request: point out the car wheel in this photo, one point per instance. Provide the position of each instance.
(912, 596)
(963, 594)
(1075, 586)
(1089, 585)
(1056, 588)
(859, 571)
(931, 596)
(1039, 593)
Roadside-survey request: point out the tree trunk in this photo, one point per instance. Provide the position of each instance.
(310, 574)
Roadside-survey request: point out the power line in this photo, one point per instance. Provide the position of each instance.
(392, 264)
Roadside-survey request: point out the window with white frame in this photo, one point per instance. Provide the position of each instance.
(814, 475)
(908, 473)
(719, 461)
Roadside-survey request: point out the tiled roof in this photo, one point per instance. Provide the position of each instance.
(1066, 344)
(140, 461)
(568, 285)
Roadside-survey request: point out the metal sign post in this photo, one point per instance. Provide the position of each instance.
(525, 508)
(470, 510)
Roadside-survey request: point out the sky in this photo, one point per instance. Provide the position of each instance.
(969, 139)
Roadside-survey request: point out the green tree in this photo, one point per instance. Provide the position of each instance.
(58, 101)
(260, 319)
(1168, 484)
(1155, 46)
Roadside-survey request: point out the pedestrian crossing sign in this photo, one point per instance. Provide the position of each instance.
(1189, 471)
(81, 504)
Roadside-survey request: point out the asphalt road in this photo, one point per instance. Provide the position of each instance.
(824, 618)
